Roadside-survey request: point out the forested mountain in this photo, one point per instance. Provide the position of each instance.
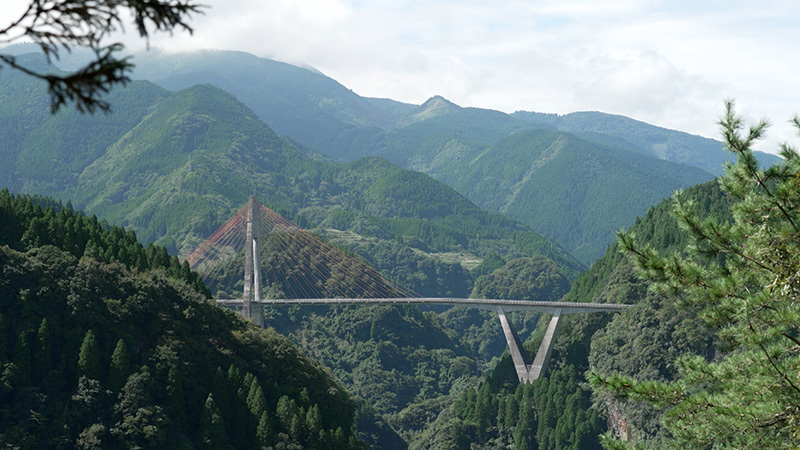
(107, 344)
(621, 131)
(46, 153)
(570, 189)
(177, 165)
(292, 100)
(187, 160)
(630, 165)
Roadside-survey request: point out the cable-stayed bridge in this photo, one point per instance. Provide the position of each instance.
(257, 241)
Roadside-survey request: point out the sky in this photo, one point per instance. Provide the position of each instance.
(669, 63)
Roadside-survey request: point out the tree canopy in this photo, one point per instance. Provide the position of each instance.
(743, 274)
(61, 25)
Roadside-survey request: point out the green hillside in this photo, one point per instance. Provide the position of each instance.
(46, 153)
(450, 143)
(291, 99)
(569, 189)
(174, 166)
(669, 145)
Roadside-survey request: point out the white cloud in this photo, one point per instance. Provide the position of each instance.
(670, 63)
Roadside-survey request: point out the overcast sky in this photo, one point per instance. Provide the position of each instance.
(670, 63)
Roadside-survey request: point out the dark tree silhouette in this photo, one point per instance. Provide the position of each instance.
(61, 25)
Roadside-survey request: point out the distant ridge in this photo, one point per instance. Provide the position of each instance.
(445, 140)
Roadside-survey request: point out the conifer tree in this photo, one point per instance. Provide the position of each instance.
(212, 428)
(22, 359)
(175, 397)
(44, 349)
(523, 432)
(512, 410)
(484, 410)
(744, 274)
(89, 357)
(313, 422)
(120, 366)
(264, 431)
(3, 342)
(221, 389)
(256, 401)
(65, 24)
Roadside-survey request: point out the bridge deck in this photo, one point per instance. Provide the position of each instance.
(490, 304)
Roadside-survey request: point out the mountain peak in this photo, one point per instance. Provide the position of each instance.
(437, 102)
(434, 106)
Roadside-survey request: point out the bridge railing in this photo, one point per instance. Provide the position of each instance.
(490, 304)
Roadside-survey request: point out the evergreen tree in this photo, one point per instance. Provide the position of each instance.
(68, 24)
(120, 366)
(212, 428)
(512, 411)
(44, 349)
(89, 357)
(175, 397)
(313, 422)
(524, 431)
(264, 431)
(221, 389)
(3, 341)
(22, 359)
(501, 414)
(744, 276)
(484, 410)
(256, 401)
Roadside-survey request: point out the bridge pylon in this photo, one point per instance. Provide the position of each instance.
(251, 309)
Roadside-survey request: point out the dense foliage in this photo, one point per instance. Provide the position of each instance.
(572, 190)
(183, 167)
(551, 413)
(536, 279)
(58, 27)
(643, 341)
(640, 137)
(26, 225)
(742, 276)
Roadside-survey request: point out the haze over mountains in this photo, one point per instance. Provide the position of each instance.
(606, 167)
(610, 168)
(173, 166)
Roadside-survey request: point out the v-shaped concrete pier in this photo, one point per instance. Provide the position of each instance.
(529, 372)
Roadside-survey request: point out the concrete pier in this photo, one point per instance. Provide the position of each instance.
(252, 264)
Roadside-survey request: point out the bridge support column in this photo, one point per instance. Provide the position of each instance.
(252, 265)
(529, 372)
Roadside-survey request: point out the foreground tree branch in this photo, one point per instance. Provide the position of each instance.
(61, 25)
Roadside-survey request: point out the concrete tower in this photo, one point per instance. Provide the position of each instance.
(252, 265)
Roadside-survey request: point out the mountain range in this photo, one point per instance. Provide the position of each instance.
(607, 167)
(610, 168)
